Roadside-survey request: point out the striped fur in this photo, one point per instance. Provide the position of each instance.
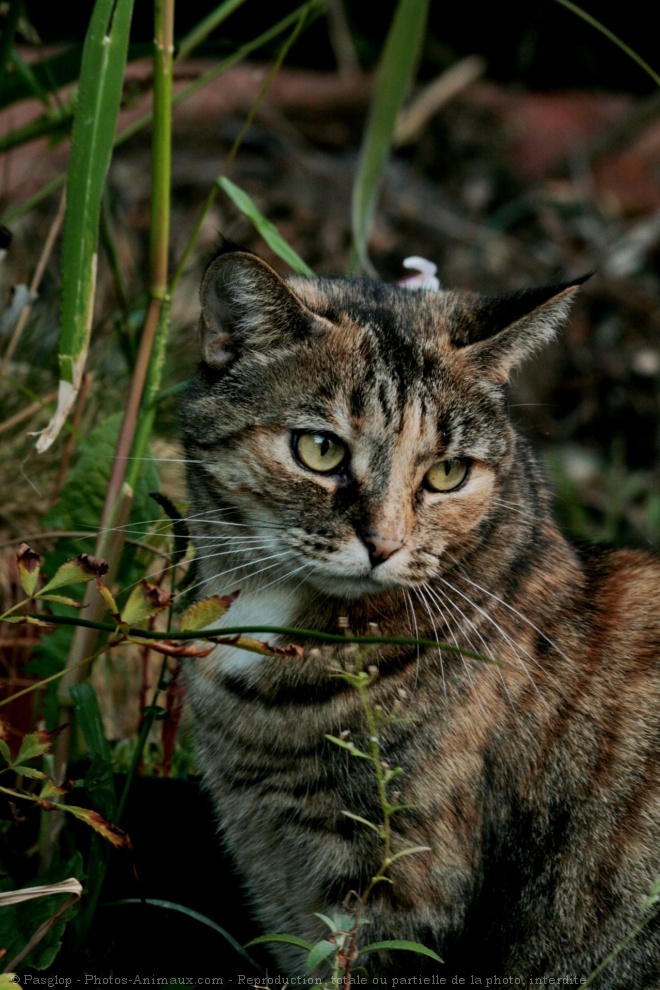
(536, 779)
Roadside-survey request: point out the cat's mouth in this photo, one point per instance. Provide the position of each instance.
(343, 584)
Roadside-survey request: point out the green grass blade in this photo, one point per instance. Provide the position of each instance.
(612, 37)
(12, 17)
(270, 234)
(190, 913)
(95, 120)
(100, 787)
(394, 73)
(54, 125)
(88, 714)
(202, 30)
(313, 6)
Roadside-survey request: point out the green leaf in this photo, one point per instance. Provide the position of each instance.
(653, 896)
(392, 808)
(81, 569)
(5, 752)
(81, 497)
(394, 74)
(202, 614)
(340, 922)
(32, 745)
(78, 508)
(88, 714)
(350, 747)
(401, 944)
(95, 120)
(300, 943)
(60, 600)
(100, 787)
(358, 818)
(265, 228)
(145, 600)
(412, 851)
(318, 953)
(30, 772)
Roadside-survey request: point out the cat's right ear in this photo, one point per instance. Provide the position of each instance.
(246, 305)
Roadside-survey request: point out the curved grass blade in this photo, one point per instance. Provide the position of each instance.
(630, 52)
(394, 73)
(95, 120)
(270, 234)
(195, 915)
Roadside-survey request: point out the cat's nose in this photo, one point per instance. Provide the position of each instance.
(380, 548)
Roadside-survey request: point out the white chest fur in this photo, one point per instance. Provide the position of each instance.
(269, 607)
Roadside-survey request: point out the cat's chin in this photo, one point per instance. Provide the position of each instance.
(343, 586)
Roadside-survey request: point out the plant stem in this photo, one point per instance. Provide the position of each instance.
(220, 634)
(116, 507)
(203, 80)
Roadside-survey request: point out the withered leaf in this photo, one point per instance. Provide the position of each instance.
(144, 601)
(95, 566)
(257, 646)
(173, 647)
(31, 620)
(82, 568)
(29, 564)
(100, 824)
(106, 595)
(202, 614)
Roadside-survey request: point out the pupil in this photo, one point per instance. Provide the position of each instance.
(448, 467)
(325, 446)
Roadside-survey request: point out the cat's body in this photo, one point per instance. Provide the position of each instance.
(535, 779)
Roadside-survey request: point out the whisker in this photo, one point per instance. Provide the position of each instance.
(489, 618)
(486, 650)
(422, 599)
(515, 612)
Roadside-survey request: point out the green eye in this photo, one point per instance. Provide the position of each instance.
(445, 476)
(319, 451)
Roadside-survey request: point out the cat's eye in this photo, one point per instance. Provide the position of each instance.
(446, 476)
(319, 452)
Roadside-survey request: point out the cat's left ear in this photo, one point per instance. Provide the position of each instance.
(503, 331)
(247, 306)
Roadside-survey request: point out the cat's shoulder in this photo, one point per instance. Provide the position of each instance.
(623, 590)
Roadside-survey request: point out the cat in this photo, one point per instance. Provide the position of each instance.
(352, 464)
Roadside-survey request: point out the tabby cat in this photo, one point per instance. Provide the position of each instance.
(352, 463)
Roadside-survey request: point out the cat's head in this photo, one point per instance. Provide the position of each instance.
(353, 435)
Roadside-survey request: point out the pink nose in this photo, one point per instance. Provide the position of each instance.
(380, 548)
